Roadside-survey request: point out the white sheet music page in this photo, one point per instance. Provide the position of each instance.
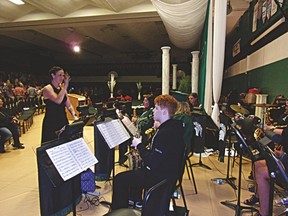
(129, 125)
(113, 132)
(71, 158)
(82, 153)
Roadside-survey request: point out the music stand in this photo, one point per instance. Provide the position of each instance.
(49, 178)
(225, 121)
(275, 168)
(108, 135)
(60, 163)
(229, 180)
(242, 144)
(199, 121)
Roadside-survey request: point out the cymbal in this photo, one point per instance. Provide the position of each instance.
(239, 109)
(265, 105)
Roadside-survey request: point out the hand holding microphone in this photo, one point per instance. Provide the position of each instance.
(66, 80)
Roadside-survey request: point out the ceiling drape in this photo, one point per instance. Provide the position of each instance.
(218, 54)
(183, 20)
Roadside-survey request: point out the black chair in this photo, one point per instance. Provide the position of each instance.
(177, 210)
(156, 198)
(190, 172)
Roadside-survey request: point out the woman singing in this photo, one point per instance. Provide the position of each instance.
(56, 200)
(55, 98)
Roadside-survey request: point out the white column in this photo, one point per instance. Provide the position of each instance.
(260, 111)
(174, 84)
(194, 71)
(165, 69)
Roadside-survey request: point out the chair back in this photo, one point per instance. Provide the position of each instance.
(156, 199)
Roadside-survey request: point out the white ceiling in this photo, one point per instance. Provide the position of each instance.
(109, 31)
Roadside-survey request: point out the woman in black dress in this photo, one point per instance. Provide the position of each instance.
(55, 98)
(56, 200)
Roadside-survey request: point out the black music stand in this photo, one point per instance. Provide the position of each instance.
(107, 135)
(275, 168)
(50, 181)
(229, 180)
(225, 125)
(243, 145)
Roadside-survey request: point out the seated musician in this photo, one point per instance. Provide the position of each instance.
(193, 101)
(262, 178)
(280, 126)
(161, 160)
(282, 120)
(183, 113)
(145, 120)
(278, 100)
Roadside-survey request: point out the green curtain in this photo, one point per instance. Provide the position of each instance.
(203, 57)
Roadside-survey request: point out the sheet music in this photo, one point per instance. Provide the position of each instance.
(71, 158)
(113, 132)
(129, 125)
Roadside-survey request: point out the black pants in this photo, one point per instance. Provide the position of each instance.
(130, 184)
(14, 128)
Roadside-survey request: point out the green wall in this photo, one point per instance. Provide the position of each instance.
(271, 79)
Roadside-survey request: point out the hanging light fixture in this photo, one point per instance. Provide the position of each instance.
(229, 7)
(17, 2)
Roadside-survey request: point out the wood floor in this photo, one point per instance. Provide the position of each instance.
(19, 185)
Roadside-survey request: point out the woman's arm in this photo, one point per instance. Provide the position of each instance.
(71, 109)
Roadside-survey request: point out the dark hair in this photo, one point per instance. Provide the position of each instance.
(151, 100)
(54, 70)
(194, 94)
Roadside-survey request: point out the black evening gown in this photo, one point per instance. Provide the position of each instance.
(55, 200)
(55, 118)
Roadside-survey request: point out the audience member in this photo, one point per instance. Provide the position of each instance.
(19, 91)
(10, 122)
(5, 135)
(32, 91)
(161, 161)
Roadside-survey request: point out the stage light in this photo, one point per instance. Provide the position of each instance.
(76, 49)
(17, 2)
